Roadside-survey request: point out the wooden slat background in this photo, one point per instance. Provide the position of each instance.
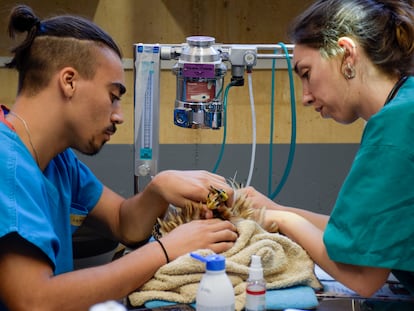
(171, 21)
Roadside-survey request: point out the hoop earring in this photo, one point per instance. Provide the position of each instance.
(349, 71)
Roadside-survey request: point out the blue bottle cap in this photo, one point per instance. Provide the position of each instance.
(213, 262)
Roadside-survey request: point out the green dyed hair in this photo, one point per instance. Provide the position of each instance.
(384, 29)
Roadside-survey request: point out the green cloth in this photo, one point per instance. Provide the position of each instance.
(372, 223)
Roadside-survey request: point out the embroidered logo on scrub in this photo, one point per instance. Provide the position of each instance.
(77, 220)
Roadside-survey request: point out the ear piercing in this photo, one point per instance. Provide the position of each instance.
(349, 71)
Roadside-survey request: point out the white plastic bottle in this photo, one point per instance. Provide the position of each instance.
(110, 305)
(215, 291)
(256, 286)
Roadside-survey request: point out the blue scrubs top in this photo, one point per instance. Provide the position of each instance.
(39, 206)
(372, 223)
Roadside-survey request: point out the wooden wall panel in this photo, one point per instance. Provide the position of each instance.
(311, 128)
(169, 21)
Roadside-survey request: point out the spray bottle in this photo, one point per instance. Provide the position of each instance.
(215, 291)
(256, 286)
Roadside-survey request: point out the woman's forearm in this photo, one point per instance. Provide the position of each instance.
(363, 280)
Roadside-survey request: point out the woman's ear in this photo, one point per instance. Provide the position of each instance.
(349, 47)
(348, 60)
(67, 81)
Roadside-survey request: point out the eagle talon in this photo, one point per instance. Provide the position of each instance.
(216, 197)
(241, 208)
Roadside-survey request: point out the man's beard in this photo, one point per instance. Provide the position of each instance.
(93, 148)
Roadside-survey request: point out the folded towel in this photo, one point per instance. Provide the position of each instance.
(285, 264)
(297, 297)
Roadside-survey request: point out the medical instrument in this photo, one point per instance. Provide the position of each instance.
(201, 97)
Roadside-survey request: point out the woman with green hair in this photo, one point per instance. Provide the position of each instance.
(355, 59)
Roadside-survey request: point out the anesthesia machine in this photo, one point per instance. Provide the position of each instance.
(200, 66)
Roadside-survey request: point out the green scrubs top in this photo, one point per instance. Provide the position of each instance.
(372, 223)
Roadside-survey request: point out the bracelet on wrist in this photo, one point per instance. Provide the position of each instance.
(164, 250)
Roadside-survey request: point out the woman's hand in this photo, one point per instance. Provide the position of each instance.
(257, 199)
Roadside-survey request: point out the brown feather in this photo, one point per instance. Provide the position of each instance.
(241, 209)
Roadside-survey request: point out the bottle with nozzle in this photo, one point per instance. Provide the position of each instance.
(215, 291)
(256, 286)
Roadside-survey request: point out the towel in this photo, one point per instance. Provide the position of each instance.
(296, 297)
(285, 264)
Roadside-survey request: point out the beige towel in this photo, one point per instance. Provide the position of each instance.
(284, 262)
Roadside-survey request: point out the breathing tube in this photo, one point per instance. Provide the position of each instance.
(223, 143)
(271, 194)
(253, 156)
(253, 114)
(292, 148)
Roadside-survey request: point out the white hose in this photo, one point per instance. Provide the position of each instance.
(252, 160)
